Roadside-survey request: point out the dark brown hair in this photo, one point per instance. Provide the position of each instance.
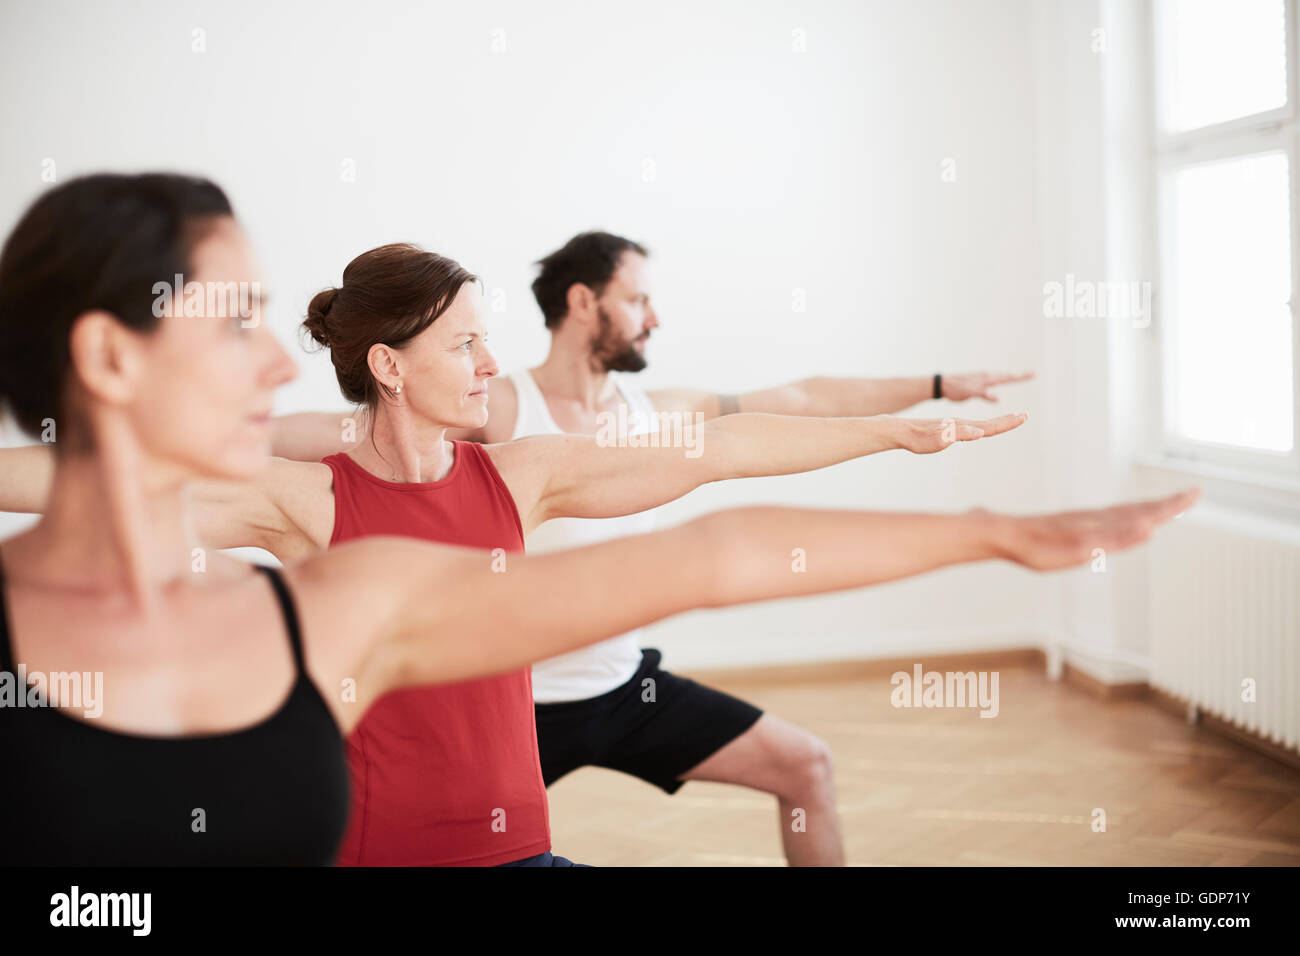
(96, 242)
(589, 258)
(389, 295)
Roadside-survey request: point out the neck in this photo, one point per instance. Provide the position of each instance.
(572, 373)
(109, 527)
(400, 448)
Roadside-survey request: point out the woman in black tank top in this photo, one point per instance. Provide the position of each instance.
(153, 392)
(274, 793)
(78, 792)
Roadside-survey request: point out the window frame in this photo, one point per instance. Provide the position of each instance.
(1272, 131)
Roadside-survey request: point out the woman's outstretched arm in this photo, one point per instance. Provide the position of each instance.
(580, 476)
(394, 612)
(26, 474)
(287, 510)
(310, 436)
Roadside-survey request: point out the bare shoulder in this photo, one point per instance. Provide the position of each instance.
(527, 465)
(297, 484)
(311, 475)
(284, 509)
(528, 452)
(304, 492)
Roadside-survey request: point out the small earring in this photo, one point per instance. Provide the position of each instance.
(399, 388)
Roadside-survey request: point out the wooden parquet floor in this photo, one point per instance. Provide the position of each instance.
(947, 787)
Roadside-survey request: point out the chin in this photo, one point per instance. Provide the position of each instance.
(247, 471)
(247, 457)
(241, 455)
(232, 466)
(247, 462)
(473, 418)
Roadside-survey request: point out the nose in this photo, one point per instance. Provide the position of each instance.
(278, 367)
(652, 320)
(488, 367)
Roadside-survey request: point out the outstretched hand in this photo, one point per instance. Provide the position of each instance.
(1051, 542)
(958, 388)
(924, 436)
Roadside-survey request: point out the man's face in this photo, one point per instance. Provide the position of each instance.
(625, 317)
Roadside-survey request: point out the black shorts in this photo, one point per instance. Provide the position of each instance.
(657, 740)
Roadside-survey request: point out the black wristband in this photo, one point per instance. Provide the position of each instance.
(938, 385)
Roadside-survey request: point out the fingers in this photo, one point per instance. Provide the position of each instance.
(1006, 378)
(1133, 524)
(996, 426)
(959, 429)
(1176, 504)
(1072, 538)
(1160, 510)
(1132, 536)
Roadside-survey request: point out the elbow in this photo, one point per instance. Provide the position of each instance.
(715, 548)
(801, 398)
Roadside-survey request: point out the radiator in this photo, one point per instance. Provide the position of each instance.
(1224, 608)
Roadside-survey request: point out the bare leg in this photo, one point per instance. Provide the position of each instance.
(793, 765)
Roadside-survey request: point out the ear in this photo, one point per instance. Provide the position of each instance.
(105, 357)
(384, 363)
(581, 300)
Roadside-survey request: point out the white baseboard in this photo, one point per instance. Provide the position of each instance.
(684, 652)
(1106, 664)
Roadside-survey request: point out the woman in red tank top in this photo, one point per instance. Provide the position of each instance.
(449, 774)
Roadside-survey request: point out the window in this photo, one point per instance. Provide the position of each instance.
(1226, 168)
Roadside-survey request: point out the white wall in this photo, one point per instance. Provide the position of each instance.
(774, 170)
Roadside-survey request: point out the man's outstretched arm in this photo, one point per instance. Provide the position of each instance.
(825, 397)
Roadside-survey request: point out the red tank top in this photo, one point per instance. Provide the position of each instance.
(445, 775)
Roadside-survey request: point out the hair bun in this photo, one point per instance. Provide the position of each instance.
(317, 312)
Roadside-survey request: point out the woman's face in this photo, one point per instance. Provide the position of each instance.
(206, 377)
(445, 369)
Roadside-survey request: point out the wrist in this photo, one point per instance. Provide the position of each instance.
(887, 430)
(996, 534)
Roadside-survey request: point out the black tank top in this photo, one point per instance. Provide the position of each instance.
(74, 794)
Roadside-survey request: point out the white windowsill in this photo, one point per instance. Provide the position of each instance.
(1257, 493)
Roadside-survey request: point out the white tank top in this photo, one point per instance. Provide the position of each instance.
(598, 669)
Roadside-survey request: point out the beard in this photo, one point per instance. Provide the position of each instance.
(615, 354)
